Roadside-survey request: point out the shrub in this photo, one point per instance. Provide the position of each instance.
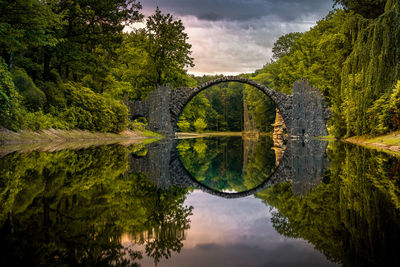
(200, 125)
(107, 115)
(77, 117)
(137, 126)
(54, 94)
(379, 116)
(184, 125)
(38, 121)
(9, 99)
(394, 106)
(384, 115)
(33, 97)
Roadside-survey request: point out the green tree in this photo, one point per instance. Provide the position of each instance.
(283, 45)
(168, 48)
(9, 98)
(367, 8)
(200, 125)
(29, 24)
(90, 29)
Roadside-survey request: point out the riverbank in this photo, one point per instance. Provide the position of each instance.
(53, 140)
(389, 143)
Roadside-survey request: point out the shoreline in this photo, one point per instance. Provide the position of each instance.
(53, 140)
(389, 143)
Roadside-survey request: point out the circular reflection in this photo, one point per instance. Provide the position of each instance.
(229, 164)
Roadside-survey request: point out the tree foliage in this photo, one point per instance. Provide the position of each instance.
(167, 47)
(9, 98)
(283, 45)
(367, 8)
(353, 60)
(71, 60)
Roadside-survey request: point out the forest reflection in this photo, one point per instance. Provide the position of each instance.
(353, 216)
(73, 207)
(76, 207)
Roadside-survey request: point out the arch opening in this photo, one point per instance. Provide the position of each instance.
(232, 104)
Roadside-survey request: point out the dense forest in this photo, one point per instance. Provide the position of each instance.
(70, 64)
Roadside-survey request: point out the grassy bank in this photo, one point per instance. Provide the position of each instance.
(389, 143)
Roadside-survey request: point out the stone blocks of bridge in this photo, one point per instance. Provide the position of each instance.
(304, 112)
(309, 112)
(156, 109)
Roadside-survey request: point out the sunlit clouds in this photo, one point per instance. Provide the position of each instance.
(237, 36)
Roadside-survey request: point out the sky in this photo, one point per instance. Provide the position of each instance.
(237, 36)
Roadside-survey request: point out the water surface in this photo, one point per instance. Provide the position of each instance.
(118, 205)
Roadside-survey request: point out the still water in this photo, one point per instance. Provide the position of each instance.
(223, 201)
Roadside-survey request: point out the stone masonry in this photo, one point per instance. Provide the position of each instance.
(304, 112)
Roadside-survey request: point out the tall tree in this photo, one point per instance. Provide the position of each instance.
(27, 24)
(92, 27)
(168, 48)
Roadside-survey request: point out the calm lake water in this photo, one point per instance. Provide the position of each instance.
(223, 201)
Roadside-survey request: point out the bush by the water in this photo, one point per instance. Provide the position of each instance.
(32, 97)
(91, 111)
(9, 98)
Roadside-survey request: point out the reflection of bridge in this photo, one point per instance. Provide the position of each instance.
(303, 163)
(304, 111)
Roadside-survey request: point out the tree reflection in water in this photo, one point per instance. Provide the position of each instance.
(72, 207)
(353, 216)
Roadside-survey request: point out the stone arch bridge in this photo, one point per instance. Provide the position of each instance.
(304, 112)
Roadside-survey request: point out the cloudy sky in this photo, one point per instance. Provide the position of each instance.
(236, 36)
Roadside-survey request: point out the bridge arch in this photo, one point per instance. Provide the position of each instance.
(304, 111)
(180, 97)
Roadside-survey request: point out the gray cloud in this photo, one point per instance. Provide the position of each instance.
(237, 36)
(241, 10)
